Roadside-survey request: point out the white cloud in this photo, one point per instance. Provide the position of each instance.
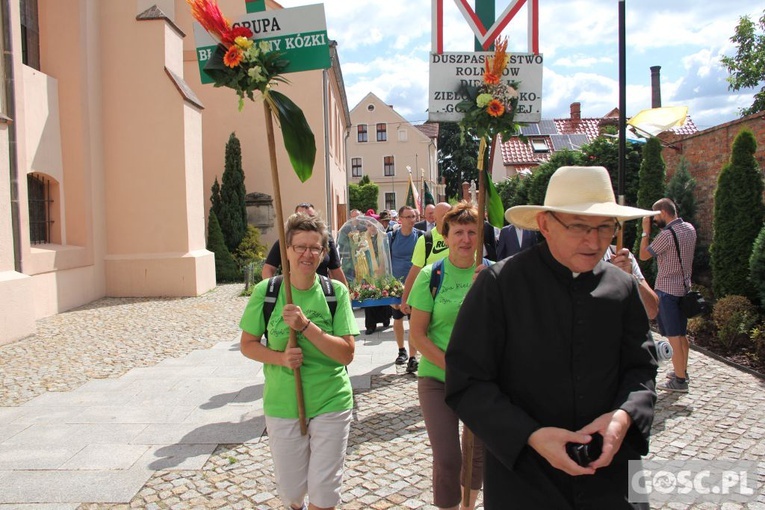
(581, 61)
(384, 45)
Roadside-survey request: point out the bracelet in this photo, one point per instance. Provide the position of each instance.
(306, 326)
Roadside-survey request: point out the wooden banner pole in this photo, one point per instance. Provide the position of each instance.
(286, 284)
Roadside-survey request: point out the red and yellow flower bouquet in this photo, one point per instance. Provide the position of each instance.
(490, 108)
(246, 65)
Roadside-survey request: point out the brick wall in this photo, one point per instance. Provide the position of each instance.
(707, 151)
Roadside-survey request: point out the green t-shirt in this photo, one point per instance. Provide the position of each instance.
(455, 283)
(439, 251)
(326, 386)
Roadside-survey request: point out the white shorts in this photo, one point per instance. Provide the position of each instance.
(310, 464)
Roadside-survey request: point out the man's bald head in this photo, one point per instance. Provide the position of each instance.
(440, 211)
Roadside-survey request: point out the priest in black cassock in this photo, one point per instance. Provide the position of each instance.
(552, 347)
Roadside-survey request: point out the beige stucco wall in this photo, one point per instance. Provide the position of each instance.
(17, 317)
(153, 180)
(417, 151)
(123, 150)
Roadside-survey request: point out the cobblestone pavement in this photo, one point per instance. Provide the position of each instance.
(388, 464)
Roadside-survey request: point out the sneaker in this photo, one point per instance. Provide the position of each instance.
(400, 362)
(675, 385)
(671, 375)
(412, 366)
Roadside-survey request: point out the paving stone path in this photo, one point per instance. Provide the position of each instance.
(148, 404)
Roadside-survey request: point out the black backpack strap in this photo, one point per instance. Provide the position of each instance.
(436, 277)
(329, 294)
(679, 258)
(272, 294)
(269, 302)
(428, 244)
(392, 238)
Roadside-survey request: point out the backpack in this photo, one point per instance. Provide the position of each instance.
(436, 275)
(272, 293)
(428, 244)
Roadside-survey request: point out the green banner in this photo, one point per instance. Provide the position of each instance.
(255, 5)
(299, 34)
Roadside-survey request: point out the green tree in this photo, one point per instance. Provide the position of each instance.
(680, 189)
(747, 67)
(738, 217)
(507, 190)
(363, 196)
(215, 197)
(757, 267)
(456, 158)
(226, 269)
(364, 180)
(604, 151)
(537, 185)
(233, 212)
(652, 175)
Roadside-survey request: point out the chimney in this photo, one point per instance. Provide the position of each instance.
(576, 111)
(655, 87)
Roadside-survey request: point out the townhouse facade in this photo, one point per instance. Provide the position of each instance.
(387, 148)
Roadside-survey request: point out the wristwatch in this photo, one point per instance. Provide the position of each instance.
(644, 234)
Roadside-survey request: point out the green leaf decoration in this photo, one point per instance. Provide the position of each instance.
(494, 204)
(298, 137)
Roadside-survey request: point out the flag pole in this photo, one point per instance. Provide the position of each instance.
(285, 263)
(622, 118)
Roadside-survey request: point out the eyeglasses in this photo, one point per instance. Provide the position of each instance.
(409, 217)
(300, 249)
(580, 230)
(304, 205)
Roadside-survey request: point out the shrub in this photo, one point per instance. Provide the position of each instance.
(702, 330)
(233, 211)
(226, 269)
(734, 316)
(738, 217)
(252, 275)
(680, 189)
(250, 249)
(363, 196)
(757, 335)
(757, 266)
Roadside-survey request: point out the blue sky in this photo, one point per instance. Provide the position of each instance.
(384, 46)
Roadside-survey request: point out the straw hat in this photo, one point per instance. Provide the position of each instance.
(581, 190)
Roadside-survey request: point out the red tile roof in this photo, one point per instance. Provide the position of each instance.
(519, 155)
(429, 129)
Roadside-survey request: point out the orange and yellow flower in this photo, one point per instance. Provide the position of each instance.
(496, 65)
(490, 78)
(209, 15)
(495, 108)
(233, 56)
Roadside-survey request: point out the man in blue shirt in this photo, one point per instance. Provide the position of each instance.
(402, 242)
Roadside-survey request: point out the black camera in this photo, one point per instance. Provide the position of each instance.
(583, 454)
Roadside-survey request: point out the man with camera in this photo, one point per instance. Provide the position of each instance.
(551, 362)
(673, 281)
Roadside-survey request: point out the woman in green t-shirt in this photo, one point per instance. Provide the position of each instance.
(434, 310)
(312, 464)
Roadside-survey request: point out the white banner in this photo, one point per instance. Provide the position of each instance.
(448, 71)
